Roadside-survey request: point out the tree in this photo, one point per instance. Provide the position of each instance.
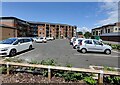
(87, 34)
(80, 33)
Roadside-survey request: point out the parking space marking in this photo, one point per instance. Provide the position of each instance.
(101, 55)
(24, 53)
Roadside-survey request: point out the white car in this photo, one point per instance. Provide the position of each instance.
(93, 45)
(41, 40)
(72, 40)
(49, 38)
(76, 42)
(34, 38)
(11, 46)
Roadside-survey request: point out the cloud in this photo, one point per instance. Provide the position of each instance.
(83, 29)
(111, 9)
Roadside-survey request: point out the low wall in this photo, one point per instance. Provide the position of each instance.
(111, 38)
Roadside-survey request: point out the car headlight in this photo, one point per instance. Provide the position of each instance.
(4, 49)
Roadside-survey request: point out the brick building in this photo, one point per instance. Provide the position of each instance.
(110, 32)
(7, 31)
(37, 29)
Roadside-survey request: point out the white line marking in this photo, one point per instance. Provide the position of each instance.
(101, 55)
(23, 53)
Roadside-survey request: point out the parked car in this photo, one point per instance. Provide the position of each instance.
(93, 45)
(41, 40)
(34, 38)
(76, 42)
(11, 46)
(72, 40)
(50, 38)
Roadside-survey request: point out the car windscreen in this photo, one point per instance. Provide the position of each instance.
(8, 41)
(80, 41)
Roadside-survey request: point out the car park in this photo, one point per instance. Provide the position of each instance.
(94, 46)
(11, 46)
(41, 40)
(76, 42)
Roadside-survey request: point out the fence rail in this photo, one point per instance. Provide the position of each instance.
(99, 72)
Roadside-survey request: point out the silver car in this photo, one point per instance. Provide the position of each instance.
(94, 46)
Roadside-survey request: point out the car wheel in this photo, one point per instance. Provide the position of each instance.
(30, 47)
(74, 47)
(107, 51)
(12, 52)
(83, 50)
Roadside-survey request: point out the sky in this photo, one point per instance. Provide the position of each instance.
(85, 15)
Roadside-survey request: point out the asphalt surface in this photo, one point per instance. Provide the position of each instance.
(63, 53)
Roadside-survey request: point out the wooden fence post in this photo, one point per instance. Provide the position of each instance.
(7, 68)
(49, 73)
(100, 78)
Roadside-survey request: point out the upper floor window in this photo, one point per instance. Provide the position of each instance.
(96, 32)
(105, 30)
(116, 28)
(108, 30)
(41, 28)
(93, 33)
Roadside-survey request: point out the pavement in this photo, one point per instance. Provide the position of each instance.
(63, 54)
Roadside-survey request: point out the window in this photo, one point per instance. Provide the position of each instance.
(41, 38)
(97, 42)
(88, 42)
(40, 28)
(101, 32)
(96, 32)
(21, 41)
(105, 30)
(8, 41)
(93, 33)
(26, 40)
(40, 32)
(115, 28)
(15, 43)
(80, 41)
(108, 30)
(119, 28)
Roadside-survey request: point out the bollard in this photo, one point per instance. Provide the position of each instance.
(100, 78)
(7, 68)
(49, 73)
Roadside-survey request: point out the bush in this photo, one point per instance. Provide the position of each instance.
(48, 62)
(109, 68)
(112, 80)
(90, 80)
(72, 76)
(114, 46)
(3, 69)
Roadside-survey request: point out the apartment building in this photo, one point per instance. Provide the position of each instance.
(36, 29)
(110, 32)
(7, 31)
